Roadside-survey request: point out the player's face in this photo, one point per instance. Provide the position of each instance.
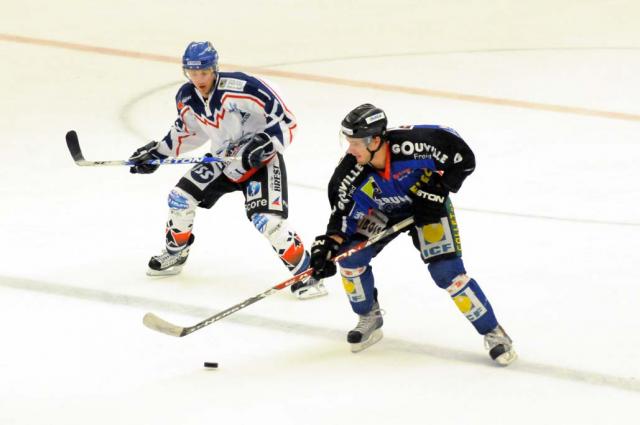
(203, 79)
(358, 148)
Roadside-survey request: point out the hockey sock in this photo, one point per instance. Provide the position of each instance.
(358, 284)
(450, 274)
(472, 302)
(182, 211)
(284, 240)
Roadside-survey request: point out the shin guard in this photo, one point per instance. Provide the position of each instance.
(358, 284)
(182, 211)
(472, 302)
(465, 292)
(284, 240)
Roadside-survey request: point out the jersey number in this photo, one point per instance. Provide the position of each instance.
(202, 173)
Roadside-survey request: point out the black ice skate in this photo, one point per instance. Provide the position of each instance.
(311, 288)
(367, 332)
(167, 264)
(500, 346)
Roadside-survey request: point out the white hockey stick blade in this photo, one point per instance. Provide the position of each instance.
(152, 321)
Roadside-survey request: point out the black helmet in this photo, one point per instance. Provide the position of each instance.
(365, 121)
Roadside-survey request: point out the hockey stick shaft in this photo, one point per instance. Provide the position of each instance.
(158, 324)
(76, 153)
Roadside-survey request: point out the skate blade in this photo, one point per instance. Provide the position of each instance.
(167, 272)
(506, 358)
(373, 338)
(309, 292)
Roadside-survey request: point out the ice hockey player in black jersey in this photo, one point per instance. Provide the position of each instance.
(385, 177)
(242, 118)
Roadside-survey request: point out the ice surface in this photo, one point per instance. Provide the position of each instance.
(550, 221)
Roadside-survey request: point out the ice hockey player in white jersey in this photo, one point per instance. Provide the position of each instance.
(242, 118)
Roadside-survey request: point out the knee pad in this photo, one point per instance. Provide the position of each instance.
(283, 239)
(182, 211)
(181, 202)
(444, 271)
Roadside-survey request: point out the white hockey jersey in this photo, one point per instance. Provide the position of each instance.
(239, 107)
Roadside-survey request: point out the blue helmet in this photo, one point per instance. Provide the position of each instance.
(200, 55)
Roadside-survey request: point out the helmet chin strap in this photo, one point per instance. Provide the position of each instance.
(372, 153)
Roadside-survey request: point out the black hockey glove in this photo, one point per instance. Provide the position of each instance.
(429, 196)
(145, 153)
(258, 149)
(323, 248)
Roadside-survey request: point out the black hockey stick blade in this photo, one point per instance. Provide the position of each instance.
(152, 321)
(74, 146)
(76, 153)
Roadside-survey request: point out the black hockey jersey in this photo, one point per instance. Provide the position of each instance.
(356, 191)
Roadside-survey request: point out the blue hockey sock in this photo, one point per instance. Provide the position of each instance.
(472, 302)
(466, 293)
(359, 286)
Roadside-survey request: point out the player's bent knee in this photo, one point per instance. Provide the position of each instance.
(443, 272)
(181, 202)
(458, 284)
(270, 225)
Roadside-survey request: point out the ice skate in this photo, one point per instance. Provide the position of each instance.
(311, 288)
(167, 263)
(367, 332)
(500, 346)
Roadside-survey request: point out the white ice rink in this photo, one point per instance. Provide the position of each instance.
(545, 92)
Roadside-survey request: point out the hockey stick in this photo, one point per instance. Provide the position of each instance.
(76, 153)
(154, 322)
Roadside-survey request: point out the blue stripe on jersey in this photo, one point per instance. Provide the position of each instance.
(274, 110)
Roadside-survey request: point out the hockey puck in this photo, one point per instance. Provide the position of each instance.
(212, 365)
